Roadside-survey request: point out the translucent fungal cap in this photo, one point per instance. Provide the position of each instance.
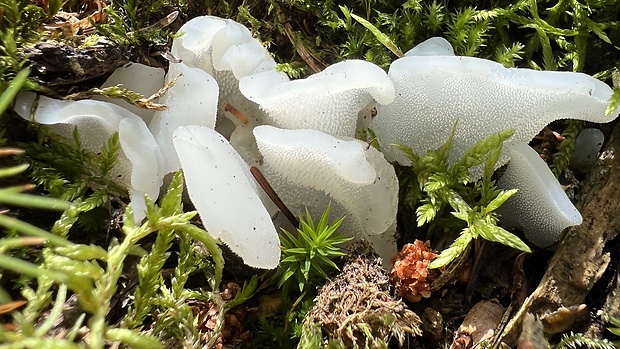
(309, 168)
(221, 45)
(226, 50)
(587, 146)
(223, 191)
(192, 100)
(328, 101)
(140, 166)
(194, 45)
(432, 47)
(433, 92)
(540, 207)
(236, 50)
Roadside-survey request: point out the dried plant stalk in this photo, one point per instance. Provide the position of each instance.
(355, 308)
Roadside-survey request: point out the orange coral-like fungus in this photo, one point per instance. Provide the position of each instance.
(410, 275)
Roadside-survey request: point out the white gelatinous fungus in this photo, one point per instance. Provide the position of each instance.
(309, 169)
(587, 146)
(192, 100)
(540, 207)
(433, 92)
(235, 49)
(147, 163)
(436, 46)
(328, 101)
(224, 192)
(217, 44)
(226, 50)
(194, 45)
(139, 167)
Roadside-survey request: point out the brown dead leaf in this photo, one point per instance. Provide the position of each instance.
(71, 24)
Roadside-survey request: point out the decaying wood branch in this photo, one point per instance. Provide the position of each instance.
(62, 65)
(579, 260)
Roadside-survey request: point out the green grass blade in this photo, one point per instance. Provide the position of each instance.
(22, 267)
(11, 171)
(384, 39)
(31, 230)
(33, 201)
(9, 94)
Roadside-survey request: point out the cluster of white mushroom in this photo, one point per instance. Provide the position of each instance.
(230, 108)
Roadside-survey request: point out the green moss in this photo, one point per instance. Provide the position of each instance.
(19, 20)
(552, 34)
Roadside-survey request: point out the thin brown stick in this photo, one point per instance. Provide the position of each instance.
(236, 112)
(313, 62)
(11, 306)
(262, 181)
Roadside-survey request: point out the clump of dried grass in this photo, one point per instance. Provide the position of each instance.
(355, 308)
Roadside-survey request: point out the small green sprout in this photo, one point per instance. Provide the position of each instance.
(438, 185)
(614, 101)
(579, 340)
(308, 258)
(616, 326)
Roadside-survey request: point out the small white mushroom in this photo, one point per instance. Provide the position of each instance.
(309, 169)
(192, 100)
(224, 192)
(328, 101)
(194, 45)
(140, 166)
(433, 92)
(432, 47)
(226, 50)
(540, 207)
(217, 44)
(234, 49)
(587, 146)
(147, 163)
